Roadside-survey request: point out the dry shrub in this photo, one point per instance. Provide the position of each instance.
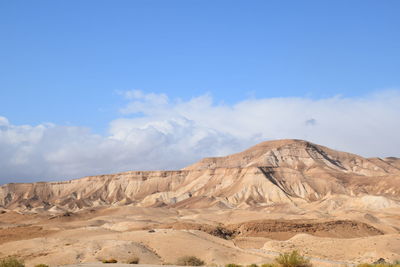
(190, 261)
(11, 262)
(109, 261)
(293, 259)
(134, 260)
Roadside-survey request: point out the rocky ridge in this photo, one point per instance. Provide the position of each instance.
(282, 172)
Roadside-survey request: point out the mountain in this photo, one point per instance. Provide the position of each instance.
(283, 172)
(337, 208)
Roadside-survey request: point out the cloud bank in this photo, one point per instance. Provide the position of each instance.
(156, 132)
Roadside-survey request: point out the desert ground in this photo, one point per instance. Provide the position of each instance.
(161, 236)
(334, 207)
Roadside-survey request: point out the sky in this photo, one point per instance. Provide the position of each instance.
(93, 87)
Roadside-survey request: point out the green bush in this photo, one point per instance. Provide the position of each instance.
(269, 265)
(11, 262)
(134, 260)
(233, 265)
(252, 265)
(109, 261)
(41, 265)
(190, 261)
(293, 259)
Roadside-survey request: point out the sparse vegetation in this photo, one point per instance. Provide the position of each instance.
(134, 260)
(190, 261)
(11, 262)
(293, 259)
(41, 265)
(380, 263)
(109, 261)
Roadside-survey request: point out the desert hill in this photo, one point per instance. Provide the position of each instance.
(273, 172)
(337, 208)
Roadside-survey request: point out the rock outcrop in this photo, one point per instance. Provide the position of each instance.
(292, 172)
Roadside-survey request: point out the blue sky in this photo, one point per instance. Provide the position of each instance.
(71, 64)
(62, 61)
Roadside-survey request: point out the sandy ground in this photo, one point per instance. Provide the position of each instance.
(248, 207)
(160, 236)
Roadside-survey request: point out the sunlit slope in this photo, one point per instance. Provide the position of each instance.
(275, 172)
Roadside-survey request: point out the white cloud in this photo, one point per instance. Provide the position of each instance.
(163, 133)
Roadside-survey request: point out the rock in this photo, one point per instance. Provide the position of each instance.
(289, 172)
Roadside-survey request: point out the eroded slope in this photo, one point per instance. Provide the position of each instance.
(276, 172)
